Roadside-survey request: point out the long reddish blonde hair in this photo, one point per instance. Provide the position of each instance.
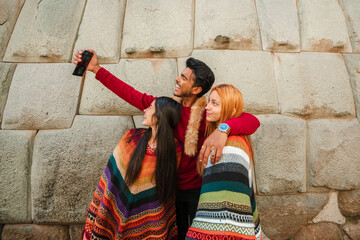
(232, 105)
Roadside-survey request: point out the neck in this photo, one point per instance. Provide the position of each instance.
(189, 101)
(152, 140)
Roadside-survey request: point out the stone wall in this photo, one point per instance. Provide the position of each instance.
(297, 63)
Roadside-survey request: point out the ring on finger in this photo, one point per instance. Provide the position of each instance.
(203, 146)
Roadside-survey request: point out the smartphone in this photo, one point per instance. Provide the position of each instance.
(81, 66)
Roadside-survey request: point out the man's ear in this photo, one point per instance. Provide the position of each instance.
(196, 90)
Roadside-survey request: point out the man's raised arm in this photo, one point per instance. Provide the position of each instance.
(120, 88)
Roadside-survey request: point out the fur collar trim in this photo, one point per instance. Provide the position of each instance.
(192, 131)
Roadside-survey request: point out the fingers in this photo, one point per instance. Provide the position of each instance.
(201, 154)
(218, 154)
(213, 155)
(206, 155)
(77, 56)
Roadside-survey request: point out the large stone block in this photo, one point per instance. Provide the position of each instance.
(45, 31)
(251, 72)
(279, 25)
(76, 231)
(6, 75)
(42, 96)
(35, 232)
(283, 216)
(9, 12)
(352, 13)
(352, 229)
(155, 77)
(15, 162)
(158, 28)
(352, 62)
(306, 89)
(67, 165)
(101, 29)
(319, 231)
(333, 153)
(323, 27)
(280, 154)
(349, 203)
(227, 24)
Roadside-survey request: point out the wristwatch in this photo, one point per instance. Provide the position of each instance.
(223, 127)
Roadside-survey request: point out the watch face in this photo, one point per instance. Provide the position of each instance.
(223, 127)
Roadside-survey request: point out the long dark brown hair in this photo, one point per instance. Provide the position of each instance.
(167, 113)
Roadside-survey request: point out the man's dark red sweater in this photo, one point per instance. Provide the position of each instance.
(188, 179)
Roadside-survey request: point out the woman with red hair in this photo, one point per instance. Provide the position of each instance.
(227, 207)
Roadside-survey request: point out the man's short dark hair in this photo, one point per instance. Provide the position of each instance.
(204, 77)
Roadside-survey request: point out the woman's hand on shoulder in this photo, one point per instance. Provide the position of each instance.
(213, 147)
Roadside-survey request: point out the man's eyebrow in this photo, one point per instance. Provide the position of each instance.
(184, 76)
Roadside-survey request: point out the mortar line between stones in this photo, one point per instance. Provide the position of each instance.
(258, 23)
(352, 86)
(122, 29)
(77, 32)
(307, 173)
(273, 56)
(77, 112)
(31, 151)
(299, 26)
(10, 74)
(193, 25)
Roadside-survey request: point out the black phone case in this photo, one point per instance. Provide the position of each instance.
(81, 66)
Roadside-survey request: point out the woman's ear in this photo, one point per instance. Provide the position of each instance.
(234, 111)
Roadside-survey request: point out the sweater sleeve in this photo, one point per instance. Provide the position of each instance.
(246, 124)
(129, 94)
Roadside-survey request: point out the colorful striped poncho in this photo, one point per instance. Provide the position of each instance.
(227, 207)
(121, 212)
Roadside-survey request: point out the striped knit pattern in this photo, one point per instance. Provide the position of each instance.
(227, 207)
(121, 212)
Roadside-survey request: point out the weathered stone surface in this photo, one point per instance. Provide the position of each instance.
(35, 232)
(251, 72)
(352, 62)
(6, 75)
(15, 159)
(279, 25)
(306, 89)
(42, 96)
(155, 77)
(157, 28)
(283, 216)
(319, 231)
(334, 153)
(323, 27)
(352, 14)
(67, 165)
(101, 29)
(280, 154)
(138, 121)
(227, 24)
(45, 31)
(76, 231)
(352, 229)
(330, 213)
(349, 203)
(9, 12)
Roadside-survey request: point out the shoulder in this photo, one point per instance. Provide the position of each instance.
(133, 135)
(238, 141)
